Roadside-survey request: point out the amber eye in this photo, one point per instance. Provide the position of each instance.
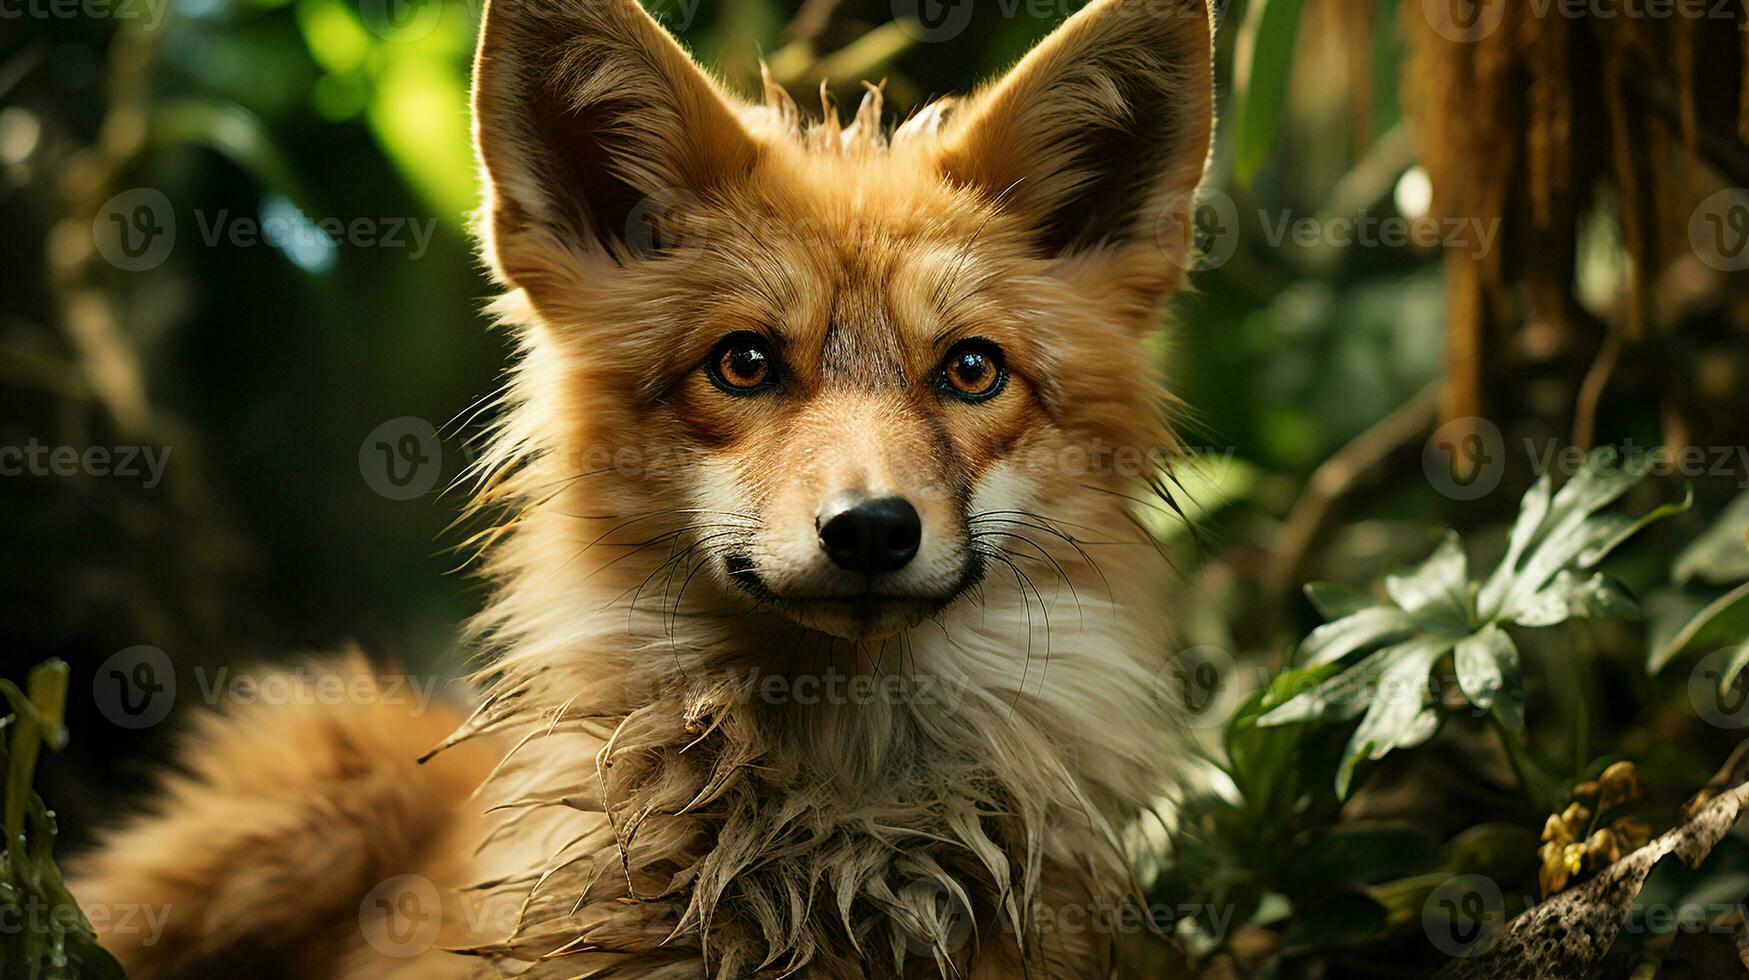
(743, 364)
(973, 370)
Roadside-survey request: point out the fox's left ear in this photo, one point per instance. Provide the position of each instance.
(1100, 134)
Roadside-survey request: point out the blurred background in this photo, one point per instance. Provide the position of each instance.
(1443, 242)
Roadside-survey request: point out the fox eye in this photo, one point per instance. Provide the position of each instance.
(973, 370)
(743, 364)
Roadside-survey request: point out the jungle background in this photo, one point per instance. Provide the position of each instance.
(1448, 247)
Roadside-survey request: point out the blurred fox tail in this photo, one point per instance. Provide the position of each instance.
(262, 854)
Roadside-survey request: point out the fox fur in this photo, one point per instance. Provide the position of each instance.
(692, 756)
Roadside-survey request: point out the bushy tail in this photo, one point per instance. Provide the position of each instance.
(261, 855)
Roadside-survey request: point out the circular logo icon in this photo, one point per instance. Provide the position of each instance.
(1718, 230)
(401, 916)
(1719, 690)
(663, 223)
(932, 21)
(135, 688)
(1464, 916)
(1465, 458)
(1464, 21)
(1195, 686)
(403, 21)
(942, 915)
(135, 230)
(402, 458)
(1203, 236)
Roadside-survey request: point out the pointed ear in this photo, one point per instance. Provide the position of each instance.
(1101, 133)
(585, 111)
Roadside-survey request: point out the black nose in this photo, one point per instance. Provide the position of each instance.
(870, 536)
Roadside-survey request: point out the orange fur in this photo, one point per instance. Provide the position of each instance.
(656, 558)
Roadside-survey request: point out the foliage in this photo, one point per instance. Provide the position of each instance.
(50, 938)
(1545, 579)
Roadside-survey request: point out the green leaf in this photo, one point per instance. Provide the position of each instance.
(1545, 540)
(1490, 675)
(1339, 698)
(1570, 595)
(1531, 512)
(1617, 528)
(1368, 627)
(1720, 555)
(1264, 66)
(1724, 622)
(1333, 600)
(1440, 584)
(1399, 715)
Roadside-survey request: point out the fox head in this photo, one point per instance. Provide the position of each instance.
(829, 372)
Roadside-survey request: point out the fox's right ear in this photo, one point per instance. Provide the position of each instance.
(584, 109)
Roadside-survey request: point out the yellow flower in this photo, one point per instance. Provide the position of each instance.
(1603, 848)
(1552, 876)
(1619, 784)
(1555, 830)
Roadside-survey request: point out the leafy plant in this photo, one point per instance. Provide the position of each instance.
(61, 945)
(1720, 558)
(1437, 610)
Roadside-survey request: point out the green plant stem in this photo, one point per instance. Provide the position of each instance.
(1536, 783)
(36, 718)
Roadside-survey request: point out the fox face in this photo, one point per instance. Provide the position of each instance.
(832, 369)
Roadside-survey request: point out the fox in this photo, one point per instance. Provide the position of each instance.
(823, 635)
